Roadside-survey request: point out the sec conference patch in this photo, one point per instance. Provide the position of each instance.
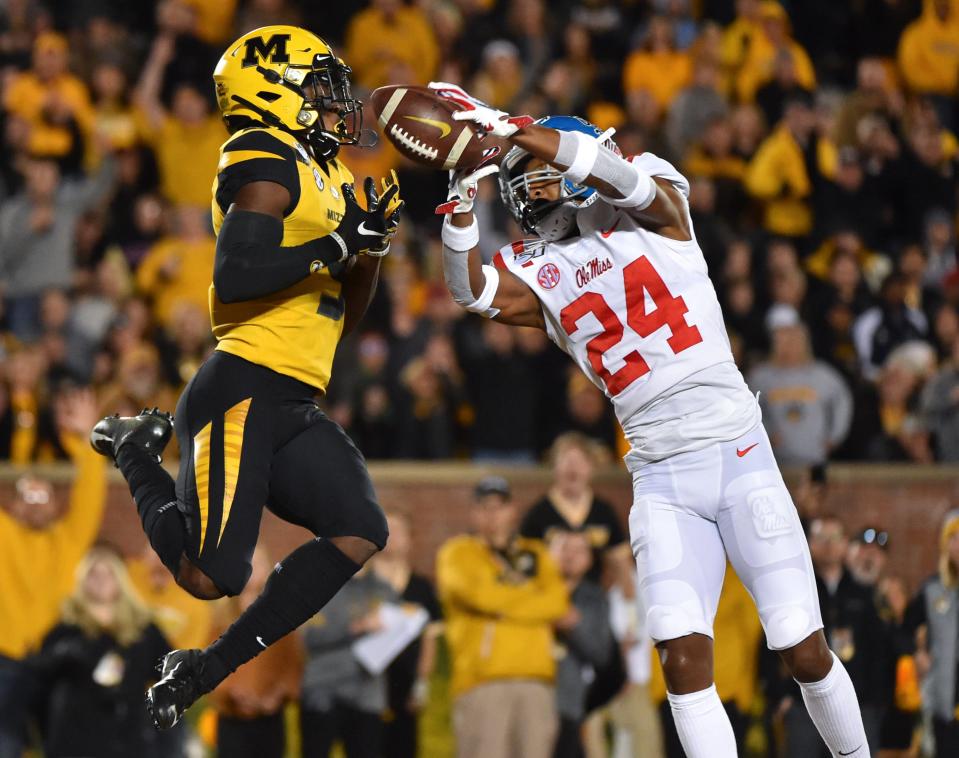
(548, 276)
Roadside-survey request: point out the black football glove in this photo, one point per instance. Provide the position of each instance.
(369, 231)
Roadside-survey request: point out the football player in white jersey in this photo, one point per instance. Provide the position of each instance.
(616, 278)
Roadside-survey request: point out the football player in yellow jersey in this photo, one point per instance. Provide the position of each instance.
(297, 260)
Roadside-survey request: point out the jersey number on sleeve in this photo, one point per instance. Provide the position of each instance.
(639, 277)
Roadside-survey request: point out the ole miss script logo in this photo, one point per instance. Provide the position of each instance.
(548, 276)
(589, 271)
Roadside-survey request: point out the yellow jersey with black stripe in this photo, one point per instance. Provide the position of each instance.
(294, 331)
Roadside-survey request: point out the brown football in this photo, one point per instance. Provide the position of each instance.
(420, 125)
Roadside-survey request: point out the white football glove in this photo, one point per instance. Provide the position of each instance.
(463, 190)
(496, 122)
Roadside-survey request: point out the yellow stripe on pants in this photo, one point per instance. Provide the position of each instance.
(234, 422)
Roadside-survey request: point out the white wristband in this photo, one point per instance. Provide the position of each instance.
(460, 238)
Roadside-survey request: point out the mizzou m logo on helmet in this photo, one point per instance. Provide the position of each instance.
(272, 49)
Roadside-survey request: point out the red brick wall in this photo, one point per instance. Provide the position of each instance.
(908, 501)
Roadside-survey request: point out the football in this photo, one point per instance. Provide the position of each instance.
(420, 125)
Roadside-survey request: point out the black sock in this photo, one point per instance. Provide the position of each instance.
(154, 491)
(299, 586)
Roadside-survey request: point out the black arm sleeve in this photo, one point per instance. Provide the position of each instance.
(251, 263)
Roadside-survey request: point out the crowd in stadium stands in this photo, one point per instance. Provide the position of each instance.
(819, 137)
(545, 648)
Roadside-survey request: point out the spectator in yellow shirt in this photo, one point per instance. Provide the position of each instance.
(115, 122)
(391, 42)
(501, 596)
(139, 383)
(929, 54)
(40, 549)
(657, 67)
(778, 177)
(52, 102)
(759, 65)
(500, 77)
(179, 267)
(738, 38)
(28, 409)
(712, 155)
(214, 20)
(187, 138)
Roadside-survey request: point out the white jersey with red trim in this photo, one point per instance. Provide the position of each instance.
(639, 314)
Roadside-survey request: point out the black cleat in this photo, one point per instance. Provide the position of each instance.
(179, 687)
(150, 431)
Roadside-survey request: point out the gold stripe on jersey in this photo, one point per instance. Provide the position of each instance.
(294, 332)
(234, 422)
(238, 156)
(201, 470)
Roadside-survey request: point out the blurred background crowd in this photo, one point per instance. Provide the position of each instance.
(818, 138)
(820, 141)
(524, 638)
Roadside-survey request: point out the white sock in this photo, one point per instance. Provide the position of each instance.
(703, 725)
(834, 709)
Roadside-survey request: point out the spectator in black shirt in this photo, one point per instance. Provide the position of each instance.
(407, 678)
(501, 382)
(96, 665)
(426, 412)
(834, 306)
(570, 505)
(878, 24)
(882, 328)
(866, 561)
(772, 97)
(855, 632)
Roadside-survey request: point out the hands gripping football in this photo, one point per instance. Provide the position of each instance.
(496, 122)
(463, 183)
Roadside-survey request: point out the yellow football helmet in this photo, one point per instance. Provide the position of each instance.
(286, 77)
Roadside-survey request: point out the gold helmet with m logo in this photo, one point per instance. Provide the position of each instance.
(287, 77)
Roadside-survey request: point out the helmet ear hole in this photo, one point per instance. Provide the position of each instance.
(270, 97)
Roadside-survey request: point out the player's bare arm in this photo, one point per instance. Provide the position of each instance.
(476, 286)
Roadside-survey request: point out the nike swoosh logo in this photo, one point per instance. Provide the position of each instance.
(850, 752)
(445, 129)
(367, 232)
(611, 229)
(743, 452)
(262, 643)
